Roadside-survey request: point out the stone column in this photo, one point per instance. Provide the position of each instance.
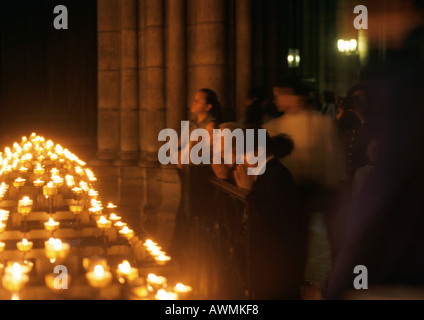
(152, 104)
(155, 74)
(243, 54)
(176, 71)
(206, 47)
(108, 81)
(129, 78)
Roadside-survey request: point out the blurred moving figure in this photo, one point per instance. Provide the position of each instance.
(385, 220)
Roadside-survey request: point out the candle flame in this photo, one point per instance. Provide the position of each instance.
(16, 271)
(125, 267)
(25, 242)
(102, 220)
(99, 271)
(26, 200)
(152, 277)
(57, 244)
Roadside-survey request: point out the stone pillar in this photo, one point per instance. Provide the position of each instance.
(206, 47)
(155, 74)
(142, 87)
(243, 54)
(152, 103)
(128, 79)
(176, 71)
(108, 26)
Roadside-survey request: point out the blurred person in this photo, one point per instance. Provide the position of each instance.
(278, 234)
(255, 98)
(353, 129)
(385, 220)
(329, 106)
(317, 158)
(206, 114)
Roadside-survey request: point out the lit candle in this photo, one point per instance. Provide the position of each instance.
(50, 189)
(164, 295)
(79, 171)
(126, 232)
(93, 193)
(39, 169)
(113, 217)
(156, 252)
(157, 282)
(14, 278)
(120, 224)
(24, 245)
(182, 289)
(70, 181)
(38, 183)
(2, 246)
(162, 259)
(90, 262)
(19, 182)
(126, 273)
(56, 249)
(99, 277)
(23, 169)
(90, 175)
(77, 190)
(110, 205)
(51, 225)
(25, 206)
(58, 181)
(103, 223)
(2, 227)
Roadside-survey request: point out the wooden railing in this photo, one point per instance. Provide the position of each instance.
(220, 214)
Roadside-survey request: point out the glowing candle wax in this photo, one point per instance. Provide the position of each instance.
(56, 249)
(126, 273)
(19, 182)
(120, 224)
(51, 225)
(156, 281)
(103, 223)
(126, 232)
(39, 170)
(99, 277)
(25, 206)
(162, 259)
(113, 217)
(24, 245)
(164, 295)
(38, 183)
(14, 278)
(50, 189)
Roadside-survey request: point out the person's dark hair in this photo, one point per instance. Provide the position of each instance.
(281, 145)
(349, 100)
(296, 84)
(212, 99)
(256, 93)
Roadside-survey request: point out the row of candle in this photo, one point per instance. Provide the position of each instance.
(156, 252)
(99, 275)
